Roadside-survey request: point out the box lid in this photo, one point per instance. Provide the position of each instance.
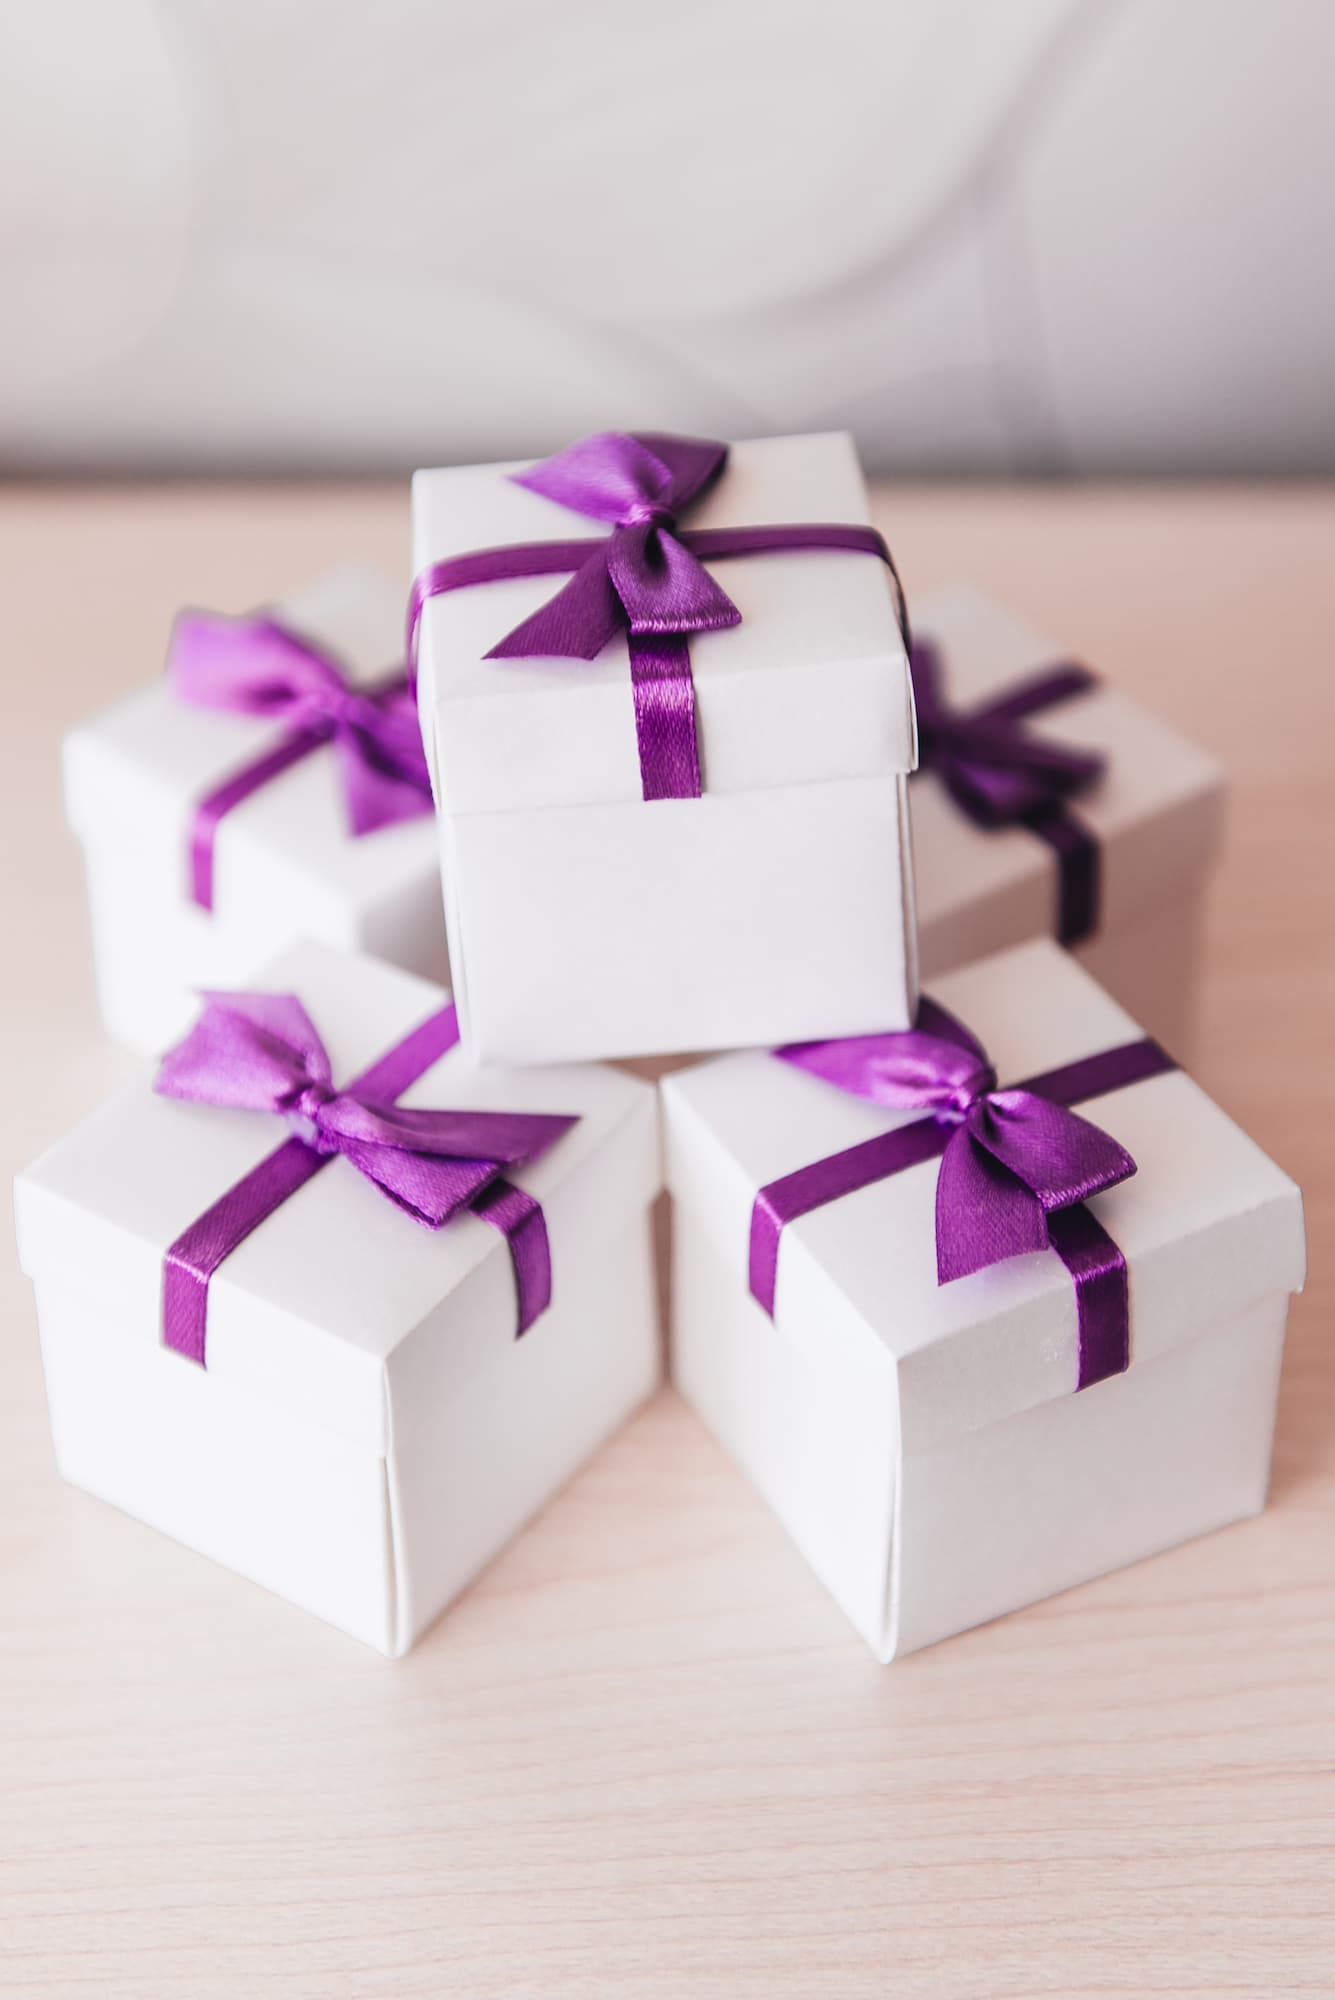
(812, 685)
(308, 1310)
(1207, 1224)
(1157, 812)
(134, 775)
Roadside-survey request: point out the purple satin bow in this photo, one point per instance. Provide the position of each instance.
(261, 1052)
(256, 666)
(642, 578)
(1017, 1164)
(646, 578)
(999, 774)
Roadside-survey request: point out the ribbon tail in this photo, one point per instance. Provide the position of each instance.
(984, 1214)
(427, 1186)
(381, 785)
(663, 586)
(574, 625)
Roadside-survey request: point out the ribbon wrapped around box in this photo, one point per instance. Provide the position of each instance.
(257, 666)
(1048, 803)
(271, 784)
(897, 1256)
(647, 578)
(1000, 774)
(261, 1052)
(1017, 1165)
(350, 1223)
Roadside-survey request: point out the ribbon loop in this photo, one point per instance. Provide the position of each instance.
(937, 1065)
(616, 475)
(248, 1052)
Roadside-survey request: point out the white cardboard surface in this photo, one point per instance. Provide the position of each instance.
(812, 685)
(285, 865)
(1158, 811)
(688, 924)
(368, 1431)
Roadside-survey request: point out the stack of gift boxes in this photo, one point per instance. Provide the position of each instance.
(981, 1290)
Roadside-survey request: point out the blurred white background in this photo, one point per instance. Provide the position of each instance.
(992, 235)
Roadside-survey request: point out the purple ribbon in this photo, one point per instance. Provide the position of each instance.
(255, 666)
(646, 578)
(1000, 775)
(260, 1052)
(1017, 1165)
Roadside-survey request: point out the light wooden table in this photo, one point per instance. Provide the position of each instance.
(644, 1756)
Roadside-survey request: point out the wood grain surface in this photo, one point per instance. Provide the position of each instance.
(644, 1757)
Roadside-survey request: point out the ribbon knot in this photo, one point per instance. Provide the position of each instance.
(303, 1111)
(256, 666)
(966, 1097)
(1012, 1159)
(648, 514)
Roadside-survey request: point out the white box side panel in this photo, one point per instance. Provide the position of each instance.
(468, 1471)
(297, 1509)
(819, 1444)
(1074, 1488)
(718, 922)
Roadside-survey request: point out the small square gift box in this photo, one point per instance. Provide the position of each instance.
(911, 1271)
(665, 698)
(269, 786)
(335, 1307)
(1049, 804)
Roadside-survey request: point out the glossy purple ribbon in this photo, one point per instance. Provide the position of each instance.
(999, 774)
(1017, 1165)
(256, 666)
(646, 578)
(260, 1052)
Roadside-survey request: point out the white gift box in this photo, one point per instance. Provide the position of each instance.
(368, 1430)
(776, 905)
(285, 864)
(1157, 814)
(921, 1443)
